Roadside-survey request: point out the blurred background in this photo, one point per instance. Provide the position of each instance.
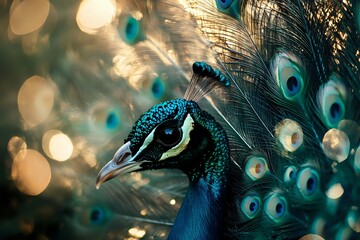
(74, 76)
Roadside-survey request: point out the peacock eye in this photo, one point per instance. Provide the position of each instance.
(332, 103)
(130, 30)
(169, 136)
(158, 88)
(288, 76)
(224, 4)
(290, 134)
(256, 167)
(308, 182)
(112, 120)
(290, 174)
(276, 208)
(97, 215)
(291, 81)
(250, 206)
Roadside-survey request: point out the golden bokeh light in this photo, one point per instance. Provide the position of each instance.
(94, 14)
(57, 145)
(25, 172)
(17, 146)
(335, 191)
(336, 145)
(28, 16)
(311, 237)
(137, 232)
(35, 100)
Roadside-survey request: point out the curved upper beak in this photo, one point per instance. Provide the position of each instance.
(123, 162)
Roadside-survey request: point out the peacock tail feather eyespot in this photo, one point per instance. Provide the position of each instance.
(96, 215)
(106, 117)
(229, 7)
(112, 120)
(130, 29)
(331, 97)
(289, 133)
(250, 206)
(290, 174)
(308, 183)
(256, 167)
(276, 207)
(158, 88)
(224, 4)
(288, 75)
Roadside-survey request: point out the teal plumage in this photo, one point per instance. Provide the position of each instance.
(283, 62)
(267, 133)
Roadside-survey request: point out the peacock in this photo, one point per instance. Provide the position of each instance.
(280, 158)
(247, 113)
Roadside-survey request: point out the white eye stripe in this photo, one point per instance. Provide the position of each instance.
(186, 129)
(146, 143)
(176, 150)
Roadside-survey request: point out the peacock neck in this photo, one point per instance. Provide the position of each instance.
(201, 214)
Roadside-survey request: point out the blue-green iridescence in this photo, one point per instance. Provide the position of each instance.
(250, 206)
(97, 215)
(333, 109)
(204, 69)
(308, 182)
(131, 30)
(112, 121)
(229, 7)
(290, 174)
(154, 116)
(215, 168)
(158, 88)
(276, 208)
(291, 81)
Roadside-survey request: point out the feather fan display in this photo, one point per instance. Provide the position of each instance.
(262, 98)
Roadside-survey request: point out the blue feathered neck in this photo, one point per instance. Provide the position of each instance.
(201, 214)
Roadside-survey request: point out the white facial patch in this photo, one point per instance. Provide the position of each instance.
(186, 129)
(146, 143)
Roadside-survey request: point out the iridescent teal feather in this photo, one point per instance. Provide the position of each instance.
(287, 91)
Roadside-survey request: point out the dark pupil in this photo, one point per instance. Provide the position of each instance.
(279, 208)
(95, 215)
(292, 83)
(291, 174)
(169, 135)
(156, 88)
(112, 120)
(252, 206)
(310, 185)
(129, 28)
(335, 110)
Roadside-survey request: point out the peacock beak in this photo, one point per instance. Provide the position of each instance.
(123, 162)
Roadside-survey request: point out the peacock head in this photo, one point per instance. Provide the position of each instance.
(172, 134)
